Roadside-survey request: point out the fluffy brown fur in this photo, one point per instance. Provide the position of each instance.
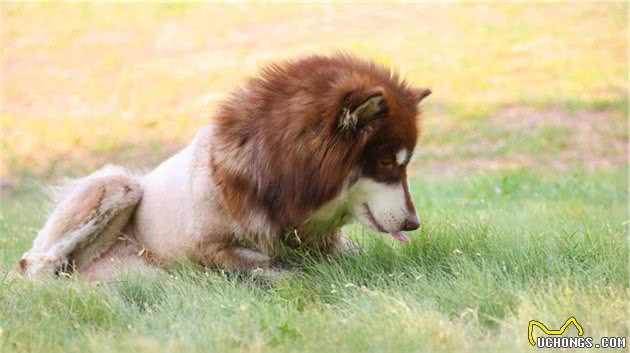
(281, 148)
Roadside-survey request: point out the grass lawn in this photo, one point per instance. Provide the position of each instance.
(495, 251)
(521, 175)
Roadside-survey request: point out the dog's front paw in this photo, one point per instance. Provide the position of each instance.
(272, 276)
(346, 246)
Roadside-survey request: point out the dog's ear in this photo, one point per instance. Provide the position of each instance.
(420, 93)
(361, 109)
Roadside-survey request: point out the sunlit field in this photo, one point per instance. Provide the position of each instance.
(521, 174)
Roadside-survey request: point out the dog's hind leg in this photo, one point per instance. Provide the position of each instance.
(85, 223)
(123, 256)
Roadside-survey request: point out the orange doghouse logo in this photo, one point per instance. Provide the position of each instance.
(558, 332)
(554, 338)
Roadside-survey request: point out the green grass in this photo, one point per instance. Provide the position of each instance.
(495, 251)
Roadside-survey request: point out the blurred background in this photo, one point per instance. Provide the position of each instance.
(537, 86)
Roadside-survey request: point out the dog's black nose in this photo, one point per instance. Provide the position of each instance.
(411, 223)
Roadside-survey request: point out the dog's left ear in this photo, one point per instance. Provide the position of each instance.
(357, 113)
(420, 93)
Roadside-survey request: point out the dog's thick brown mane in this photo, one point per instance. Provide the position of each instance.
(279, 148)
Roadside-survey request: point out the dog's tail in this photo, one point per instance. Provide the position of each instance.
(88, 215)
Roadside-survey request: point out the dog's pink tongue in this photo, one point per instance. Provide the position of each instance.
(399, 236)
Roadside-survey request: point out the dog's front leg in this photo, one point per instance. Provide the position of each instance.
(257, 263)
(243, 259)
(345, 246)
(337, 245)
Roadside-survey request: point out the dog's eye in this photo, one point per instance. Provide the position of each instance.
(386, 163)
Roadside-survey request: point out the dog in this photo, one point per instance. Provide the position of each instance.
(304, 148)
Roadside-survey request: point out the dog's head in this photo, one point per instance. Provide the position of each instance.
(318, 138)
(379, 194)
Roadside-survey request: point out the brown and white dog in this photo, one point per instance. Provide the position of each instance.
(293, 155)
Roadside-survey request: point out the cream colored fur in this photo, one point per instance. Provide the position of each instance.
(112, 220)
